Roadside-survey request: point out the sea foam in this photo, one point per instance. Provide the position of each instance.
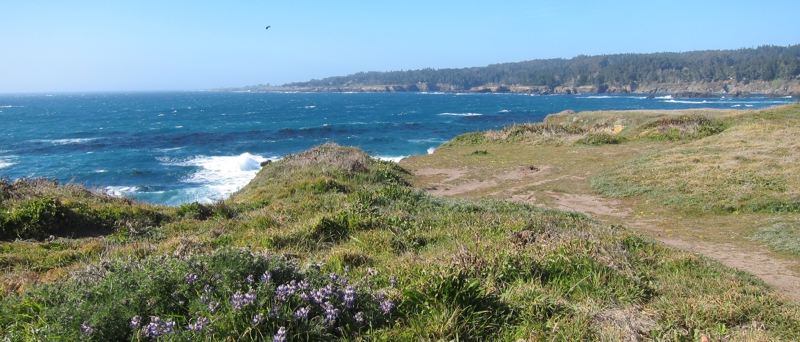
(223, 175)
(65, 141)
(393, 159)
(460, 114)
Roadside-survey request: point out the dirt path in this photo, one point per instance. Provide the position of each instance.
(511, 185)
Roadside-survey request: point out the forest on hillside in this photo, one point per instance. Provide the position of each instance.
(764, 63)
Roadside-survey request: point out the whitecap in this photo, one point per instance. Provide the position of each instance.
(5, 163)
(121, 191)
(65, 141)
(222, 175)
(736, 105)
(100, 171)
(460, 114)
(178, 126)
(169, 149)
(393, 159)
(309, 107)
(431, 150)
(668, 97)
(686, 102)
(505, 111)
(429, 140)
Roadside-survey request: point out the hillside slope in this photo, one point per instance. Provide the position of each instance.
(331, 244)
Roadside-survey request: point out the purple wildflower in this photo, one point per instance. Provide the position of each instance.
(333, 277)
(302, 313)
(257, 319)
(280, 336)
(283, 292)
(303, 285)
(190, 278)
(207, 289)
(250, 279)
(136, 321)
(158, 328)
(204, 299)
(199, 325)
(86, 328)
(212, 307)
(331, 313)
(237, 301)
(266, 277)
(349, 298)
(372, 272)
(393, 281)
(387, 306)
(304, 296)
(250, 297)
(359, 317)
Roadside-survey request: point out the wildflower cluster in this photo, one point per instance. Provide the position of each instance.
(158, 327)
(299, 302)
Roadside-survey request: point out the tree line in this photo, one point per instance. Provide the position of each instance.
(765, 63)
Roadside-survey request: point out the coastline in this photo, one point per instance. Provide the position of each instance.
(712, 89)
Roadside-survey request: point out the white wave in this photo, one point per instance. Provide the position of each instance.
(309, 107)
(169, 149)
(65, 141)
(429, 140)
(223, 175)
(394, 159)
(505, 111)
(461, 114)
(596, 97)
(668, 97)
(687, 102)
(736, 105)
(12, 106)
(431, 150)
(121, 191)
(100, 171)
(5, 163)
(748, 105)
(178, 126)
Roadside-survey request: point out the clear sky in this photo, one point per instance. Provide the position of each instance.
(120, 45)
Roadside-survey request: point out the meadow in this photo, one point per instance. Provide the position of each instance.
(330, 244)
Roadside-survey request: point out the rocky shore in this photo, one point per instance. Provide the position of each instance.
(702, 89)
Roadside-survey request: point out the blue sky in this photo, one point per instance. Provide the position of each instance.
(80, 45)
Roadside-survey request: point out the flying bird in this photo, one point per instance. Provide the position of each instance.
(268, 27)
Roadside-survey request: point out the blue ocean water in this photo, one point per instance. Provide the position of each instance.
(179, 147)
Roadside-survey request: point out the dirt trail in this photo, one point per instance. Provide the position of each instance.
(510, 185)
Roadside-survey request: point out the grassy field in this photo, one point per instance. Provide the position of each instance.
(330, 244)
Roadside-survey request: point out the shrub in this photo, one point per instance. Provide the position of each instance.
(602, 139)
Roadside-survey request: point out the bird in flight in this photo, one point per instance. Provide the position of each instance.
(268, 27)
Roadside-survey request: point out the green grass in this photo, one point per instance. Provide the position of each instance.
(725, 169)
(781, 235)
(464, 270)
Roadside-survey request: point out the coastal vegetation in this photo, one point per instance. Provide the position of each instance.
(765, 69)
(330, 244)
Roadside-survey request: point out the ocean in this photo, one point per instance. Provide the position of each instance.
(179, 147)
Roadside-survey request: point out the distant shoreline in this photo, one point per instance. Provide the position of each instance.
(684, 90)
